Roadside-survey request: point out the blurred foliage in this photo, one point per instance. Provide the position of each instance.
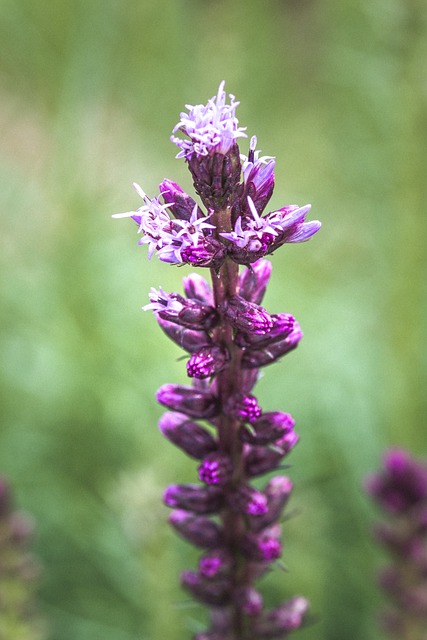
(90, 92)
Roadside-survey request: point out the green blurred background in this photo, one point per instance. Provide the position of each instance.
(90, 90)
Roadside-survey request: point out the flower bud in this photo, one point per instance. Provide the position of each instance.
(185, 338)
(187, 313)
(278, 622)
(196, 403)
(215, 593)
(262, 357)
(214, 563)
(247, 316)
(180, 204)
(249, 501)
(216, 469)
(207, 253)
(196, 441)
(283, 325)
(268, 428)
(198, 530)
(260, 460)
(277, 493)
(193, 497)
(216, 177)
(253, 281)
(249, 600)
(243, 407)
(197, 288)
(264, 546)
(207, 361)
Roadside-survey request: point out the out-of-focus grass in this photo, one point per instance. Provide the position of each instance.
(90, 93)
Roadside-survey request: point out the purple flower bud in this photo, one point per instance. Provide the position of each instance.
(216, 593)
(193, 497)
(249, 501)
(260, 460)
(180, 204)
(268, 428)
(277, 493)
(198, 530)
(283, 327)
(255, 358)
(265, 546)
(196, 403)
(207, 362)
(258, 178)
(243, 407)
(196, 441)
(216, 178)
(214, 563)
(187, 313)
(187, 339)
(216, 469)
(197, 288)
(249, 601)
(247, 316)
(207, 253)
(253, 281)
(278, 622)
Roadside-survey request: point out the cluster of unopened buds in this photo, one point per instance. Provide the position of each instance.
(229, 337)
(400, 490)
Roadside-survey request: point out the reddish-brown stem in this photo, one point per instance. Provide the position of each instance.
(225, 285)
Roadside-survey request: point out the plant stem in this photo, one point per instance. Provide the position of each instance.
(225, 285)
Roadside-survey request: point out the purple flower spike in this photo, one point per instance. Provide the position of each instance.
(207, 362)
(228, 337)
(400, 489)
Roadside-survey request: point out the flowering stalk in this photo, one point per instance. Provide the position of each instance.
(228, 337)
(400, 489)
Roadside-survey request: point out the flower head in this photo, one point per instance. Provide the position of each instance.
(211, 128)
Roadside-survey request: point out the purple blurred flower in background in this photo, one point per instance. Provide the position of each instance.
(229, 337)
(19, 573)
(400, 490)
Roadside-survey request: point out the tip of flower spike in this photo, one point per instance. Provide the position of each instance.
(211, 128)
